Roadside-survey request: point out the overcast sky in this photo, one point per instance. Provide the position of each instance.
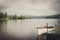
(31, 7)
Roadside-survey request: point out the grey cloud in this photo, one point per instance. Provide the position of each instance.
(34, 7)
(56, 6)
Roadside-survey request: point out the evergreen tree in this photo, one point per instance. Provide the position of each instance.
(5, 15)
(1, 15)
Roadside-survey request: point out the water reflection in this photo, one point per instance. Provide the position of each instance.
(2, 24)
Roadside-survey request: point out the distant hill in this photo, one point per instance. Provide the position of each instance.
(54, 16)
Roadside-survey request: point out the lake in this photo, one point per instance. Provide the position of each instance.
(24, 29)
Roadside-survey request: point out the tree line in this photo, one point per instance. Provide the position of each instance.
(4, 16)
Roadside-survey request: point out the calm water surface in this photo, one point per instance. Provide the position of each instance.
(24, 29)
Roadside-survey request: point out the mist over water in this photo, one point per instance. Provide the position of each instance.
(24, 29)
